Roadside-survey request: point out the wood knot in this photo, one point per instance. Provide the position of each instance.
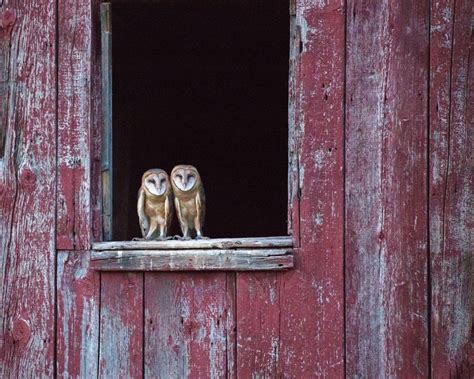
(27, 178)
(21, 330)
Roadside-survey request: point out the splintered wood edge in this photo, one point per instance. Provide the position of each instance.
(216, 243)
(193, 260)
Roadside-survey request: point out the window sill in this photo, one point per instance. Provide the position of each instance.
(222, 254)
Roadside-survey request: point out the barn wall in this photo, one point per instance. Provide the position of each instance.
(381, 213)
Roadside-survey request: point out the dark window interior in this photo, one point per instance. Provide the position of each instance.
(205, 85)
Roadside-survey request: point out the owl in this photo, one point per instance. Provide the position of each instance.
(189, 200)
(155, 204)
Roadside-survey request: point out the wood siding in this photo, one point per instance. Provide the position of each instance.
(381, 140)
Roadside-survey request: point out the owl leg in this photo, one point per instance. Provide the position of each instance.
(162, 236)
(185, 229)
(153, 228)
(197, 226)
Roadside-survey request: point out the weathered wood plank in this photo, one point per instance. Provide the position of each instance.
(78, 297)
(386, 189)
(74, 124)
(451, 186)
(258, 326)
(214, 243)
(107, 132)
(190, 260)
(97, 123)
(186, 320)
(311, 296)
(121, 325)
(28, 188)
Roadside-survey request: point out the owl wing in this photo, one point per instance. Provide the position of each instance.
(168, 210)
(142, 217)
(201, 205)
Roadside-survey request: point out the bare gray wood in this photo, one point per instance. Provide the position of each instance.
(192, 260)
(216, 243)
(106, 174)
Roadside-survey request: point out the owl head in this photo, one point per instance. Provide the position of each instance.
(156, 182)
(185, 178)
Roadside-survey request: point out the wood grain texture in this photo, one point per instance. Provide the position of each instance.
(121, 325)
(74, 124)
(27, 188)
(78, 298)
(311, 296)
(187, 319)
(192, 260)
(451, 185)
(212, 243)
(258, 325)
(386, 189)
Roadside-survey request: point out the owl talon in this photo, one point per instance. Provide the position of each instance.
(138, 239)
(163, 238)
(202, 238)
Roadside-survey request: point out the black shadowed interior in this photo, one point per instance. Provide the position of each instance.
(205, 85)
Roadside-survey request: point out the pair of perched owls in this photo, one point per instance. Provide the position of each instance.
(156, 197)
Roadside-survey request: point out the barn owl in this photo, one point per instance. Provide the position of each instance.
(155, 204)
(189, 200)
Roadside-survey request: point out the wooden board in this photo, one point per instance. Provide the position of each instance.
(213, 243)
(192, 260)
(258, 325)
(386, 189)
(74, 125)
(306, 339)
(28, 188)
(78, 298)
(121, 325)
(451, 187)
(187, 319)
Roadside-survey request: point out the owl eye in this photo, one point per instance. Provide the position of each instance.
(179, 176)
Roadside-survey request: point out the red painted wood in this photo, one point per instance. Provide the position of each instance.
(386, 189)
(97, 122)
(311, 296)
(451, 187)
(121, 325)
(186, 322)
(27, 188)
(74, 123)
(258, 305)
(78, 298)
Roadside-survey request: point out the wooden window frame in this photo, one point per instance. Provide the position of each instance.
(219, 254)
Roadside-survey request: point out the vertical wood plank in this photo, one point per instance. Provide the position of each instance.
(78, 297)
(451, 186)
(121, 325)
(386, 189)
(186, 325)
(97, 122)
(311, 296)
(107, 147)
(74, 124)
(258, 325)
(27, 188)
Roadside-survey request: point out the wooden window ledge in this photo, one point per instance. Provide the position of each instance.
(220, 254)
